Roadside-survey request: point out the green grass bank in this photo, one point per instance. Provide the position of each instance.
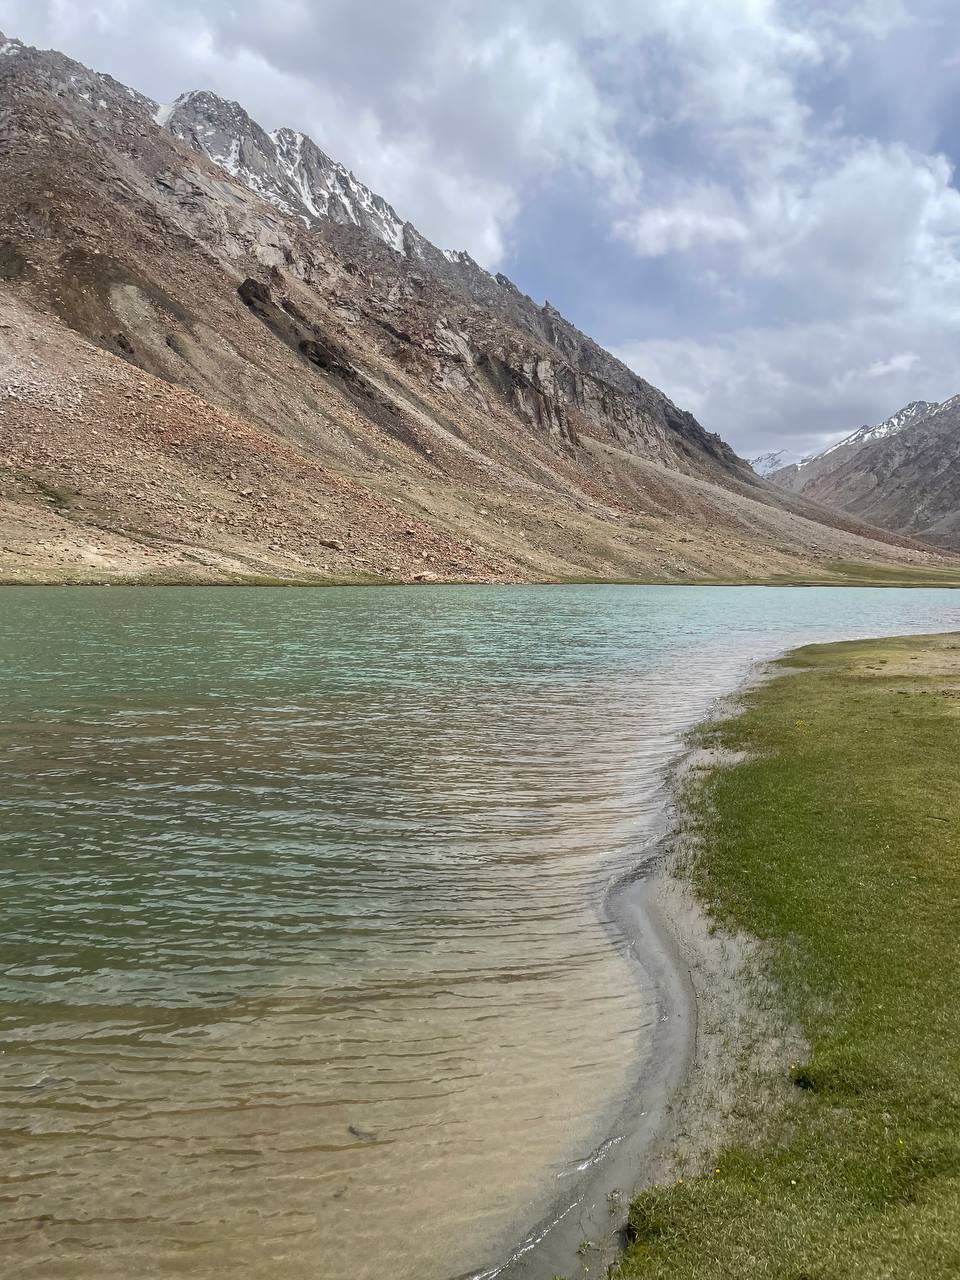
(836, 842)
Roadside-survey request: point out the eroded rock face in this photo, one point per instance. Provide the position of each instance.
(290, 171)
(284, 167)
(13, 265)
(289, 324)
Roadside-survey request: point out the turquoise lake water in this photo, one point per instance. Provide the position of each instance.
(304, 967)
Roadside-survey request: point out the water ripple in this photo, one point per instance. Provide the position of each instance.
(303, 949)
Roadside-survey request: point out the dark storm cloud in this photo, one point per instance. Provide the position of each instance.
(751, 201)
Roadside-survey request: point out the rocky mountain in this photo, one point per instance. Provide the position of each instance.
(285, 167)
(765, 464)
(799, 475)
(897, 422)
(222, 356)
(903, 475)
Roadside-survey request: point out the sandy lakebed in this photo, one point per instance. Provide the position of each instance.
(719, 1034)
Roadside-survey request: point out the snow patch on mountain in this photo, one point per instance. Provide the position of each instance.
(765, 463)
(947, 407)
(285, 167)
(324, 188)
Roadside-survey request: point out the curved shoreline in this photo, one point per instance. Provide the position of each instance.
(834, 838)
(678, 957)
(635, 1151)
(690, 967)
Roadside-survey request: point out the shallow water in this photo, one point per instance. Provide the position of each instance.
(304, 970)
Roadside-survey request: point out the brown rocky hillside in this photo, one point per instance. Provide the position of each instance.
(201, 380)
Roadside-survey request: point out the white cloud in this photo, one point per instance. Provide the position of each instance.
(678, 228)
(870, 226)
(824, 259)
(900, 363)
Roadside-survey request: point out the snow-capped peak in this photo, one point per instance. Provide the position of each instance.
(765, 463)
(285, 166)
(897, 422)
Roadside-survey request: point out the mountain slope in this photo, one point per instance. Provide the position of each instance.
(803, 476)
(292, 173)
(220, 357)
(907, 480)
(900, 475)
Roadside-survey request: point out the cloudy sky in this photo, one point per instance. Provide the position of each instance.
(752, 202)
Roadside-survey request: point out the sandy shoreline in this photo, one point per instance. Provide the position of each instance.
(714, 1018)
(594, 1207)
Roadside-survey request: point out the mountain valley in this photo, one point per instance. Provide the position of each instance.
(223, 358)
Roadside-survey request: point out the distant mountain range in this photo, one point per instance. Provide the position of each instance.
(901, 474)
(793, 471)
(223, 356)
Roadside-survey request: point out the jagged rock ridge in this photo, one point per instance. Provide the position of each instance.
(289, 169)
(285, 167)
